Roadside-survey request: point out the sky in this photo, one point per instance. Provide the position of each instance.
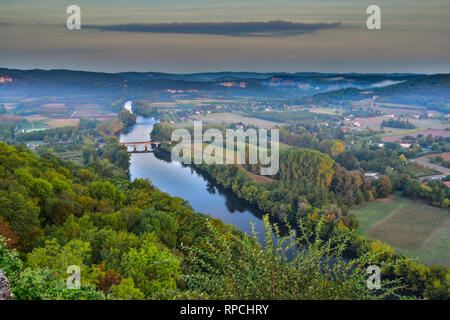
(185, 36)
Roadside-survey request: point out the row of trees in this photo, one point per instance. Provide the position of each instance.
(397, 123)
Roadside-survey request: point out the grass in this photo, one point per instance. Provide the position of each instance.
(59, 123)
(332, 111)
(417, 170)
(410, 227)
(219, 118)
(33, 126)
(401, 133)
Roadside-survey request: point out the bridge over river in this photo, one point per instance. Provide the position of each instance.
(153, 145)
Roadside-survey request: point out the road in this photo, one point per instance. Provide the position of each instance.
(425, 162)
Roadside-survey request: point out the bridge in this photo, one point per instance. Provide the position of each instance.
(152, 144)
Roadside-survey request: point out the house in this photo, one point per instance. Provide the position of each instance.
(373, 175)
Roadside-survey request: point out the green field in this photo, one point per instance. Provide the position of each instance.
(219, 118)
(410, 227)
(323, 110)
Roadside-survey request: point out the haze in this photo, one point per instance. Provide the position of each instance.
(414, 36)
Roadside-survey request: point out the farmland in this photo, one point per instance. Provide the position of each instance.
(391, 137)
(219, 118)
(59, 123)
(408, 226)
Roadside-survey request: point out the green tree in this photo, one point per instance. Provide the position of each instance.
(332, 147)
(58, 258)
(127, 118)
(162, 131)
(153, 269)
(127, 291)
(23, 217)
(240, 268)
(383, 187)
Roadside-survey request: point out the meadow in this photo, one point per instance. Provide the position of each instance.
(410, 227)
(219, 118)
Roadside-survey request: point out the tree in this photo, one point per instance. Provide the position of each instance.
(237, 268)
(308, 165)
(127, 118)
(23, 217)
(11, 238)
(123, 159)
(161, 223)
(332, 147)
(106, 190)
(383, 187)
(116, 246)
(347, 160)
(162, 131)
(105, 279)
(153, 269)
(127, 291)
(57, 258)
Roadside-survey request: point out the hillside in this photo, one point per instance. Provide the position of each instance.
(102, 86)
(431, 91)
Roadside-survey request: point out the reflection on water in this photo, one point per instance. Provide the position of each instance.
(178, 180)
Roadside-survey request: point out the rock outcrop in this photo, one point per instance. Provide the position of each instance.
(5, 288)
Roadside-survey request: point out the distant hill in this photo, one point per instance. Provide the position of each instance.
(320, 88)
(431, 91)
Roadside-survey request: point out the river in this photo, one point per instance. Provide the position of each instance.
(181, 181)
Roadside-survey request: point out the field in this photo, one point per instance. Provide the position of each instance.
(413, 133)
(332, 111)
(188, 103)
(421, 124)
(219, 118)
(425, 161)
(410, 227)
(58, 123)
(424, 127)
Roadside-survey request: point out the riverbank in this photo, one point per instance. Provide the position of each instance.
(202, 193)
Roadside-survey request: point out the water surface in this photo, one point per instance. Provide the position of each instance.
(182, 181)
